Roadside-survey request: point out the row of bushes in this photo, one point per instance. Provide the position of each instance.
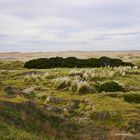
(72, 62)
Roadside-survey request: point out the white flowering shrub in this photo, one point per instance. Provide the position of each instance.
(46, 75)
(63, 82)
(83, 87)
(74, 85)
(107, 72)
(36, 80)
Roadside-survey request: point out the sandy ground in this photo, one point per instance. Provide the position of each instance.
(125, 55)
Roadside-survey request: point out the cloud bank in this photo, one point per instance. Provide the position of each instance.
(56, 25)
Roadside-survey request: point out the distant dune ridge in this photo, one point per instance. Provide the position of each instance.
(125, 55)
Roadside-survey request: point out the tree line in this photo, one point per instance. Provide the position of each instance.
(72, 62)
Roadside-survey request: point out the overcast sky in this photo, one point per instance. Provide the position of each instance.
(56, 25)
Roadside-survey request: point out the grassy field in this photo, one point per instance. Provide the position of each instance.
(68, 104)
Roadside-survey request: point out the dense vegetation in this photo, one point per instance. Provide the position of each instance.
(110, 86)
(72, 62)
(69, 103)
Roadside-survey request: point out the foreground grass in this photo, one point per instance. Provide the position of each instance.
(33, 108)
(8, 132)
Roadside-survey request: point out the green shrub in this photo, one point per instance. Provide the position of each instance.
(132, 98)
(83, 87)
(72, 62)
(110, 86)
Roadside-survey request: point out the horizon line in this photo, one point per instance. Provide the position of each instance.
(70, 51)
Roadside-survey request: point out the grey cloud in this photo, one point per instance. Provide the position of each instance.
(76, 24)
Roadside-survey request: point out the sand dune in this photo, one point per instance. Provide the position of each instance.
(125, 55)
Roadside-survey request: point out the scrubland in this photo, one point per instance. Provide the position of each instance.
(69, 103)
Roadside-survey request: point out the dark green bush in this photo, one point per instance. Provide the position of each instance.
(71, 62)
(110, 86)
(132, 98)
(128, 97)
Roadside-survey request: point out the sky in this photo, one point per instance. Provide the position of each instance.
(59, 25)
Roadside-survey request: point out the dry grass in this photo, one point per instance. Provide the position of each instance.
(125, 55)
